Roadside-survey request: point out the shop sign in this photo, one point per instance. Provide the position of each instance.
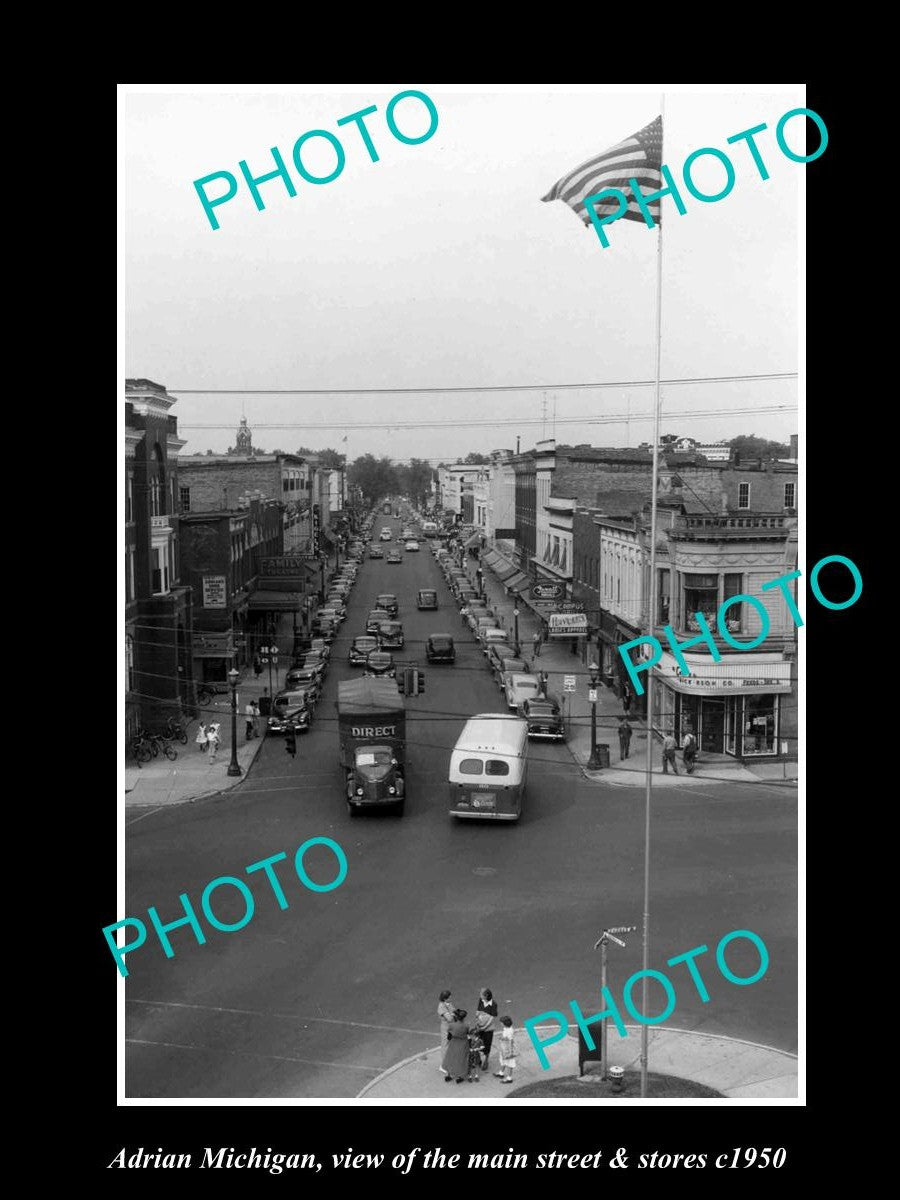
(214, 594)
(547, 591)
(568, 624)
(286, 564)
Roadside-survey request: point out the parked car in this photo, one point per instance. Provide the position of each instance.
(479, 604)
(320, 646)
(481, 621)
(394, 557)
(380, 663)
(334, 612)
(325, 629)
(544, 717)
(374, 619)
(501, 658)
(427, 598)
(298, 718)
(390, 635)
(376, 552)
(491, 636)
(477, 616)
(387, 601)
(303, 679)
(360, 649)
(519, 688)
(439, 647)
(412, 546)
(314, 661)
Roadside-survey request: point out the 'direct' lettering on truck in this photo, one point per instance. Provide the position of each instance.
(372, 742)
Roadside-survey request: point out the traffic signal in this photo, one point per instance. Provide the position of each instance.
(413, 681)
(290, 742)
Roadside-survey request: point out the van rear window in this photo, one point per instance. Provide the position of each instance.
(496, 766)
(471, 766)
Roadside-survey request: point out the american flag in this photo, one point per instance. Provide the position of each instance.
(638, 157)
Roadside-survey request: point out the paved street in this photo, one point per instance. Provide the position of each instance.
(319, 999)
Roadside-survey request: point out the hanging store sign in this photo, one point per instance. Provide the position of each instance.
(568, 624)
(548, 591)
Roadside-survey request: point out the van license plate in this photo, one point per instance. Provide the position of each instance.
(486, 801)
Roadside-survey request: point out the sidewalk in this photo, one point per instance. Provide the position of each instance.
(191, 776)
(558, 661)
(735, 1068)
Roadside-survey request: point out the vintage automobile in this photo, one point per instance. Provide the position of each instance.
(544, 718)
(519, 688)
(360, 649)
(380, 663)
(390, 635)
(387, 601)
(374, 619)
(439, 648)
(376, 552)
(394, 557)
(427, 598)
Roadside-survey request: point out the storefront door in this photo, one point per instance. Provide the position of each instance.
(712, 726)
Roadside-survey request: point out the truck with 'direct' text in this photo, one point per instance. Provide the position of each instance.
(372, 737)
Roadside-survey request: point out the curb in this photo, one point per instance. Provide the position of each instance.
(205, 795)
(422, 1055)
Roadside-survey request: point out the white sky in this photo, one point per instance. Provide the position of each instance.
(439, 265)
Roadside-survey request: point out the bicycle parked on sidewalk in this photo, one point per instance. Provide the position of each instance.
(177, 730)
(141, 747)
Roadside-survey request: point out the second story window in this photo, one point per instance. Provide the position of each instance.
(789, 495)
(184, 495)
(743, 495)
(701, 595)
(663, 597)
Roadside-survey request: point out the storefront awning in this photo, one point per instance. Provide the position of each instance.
(275, 602)
(516, 581)
(744, 674)
(474, 540)
(491, 558)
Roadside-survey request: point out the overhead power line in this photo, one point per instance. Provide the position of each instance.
(495, 422)
(499, 387)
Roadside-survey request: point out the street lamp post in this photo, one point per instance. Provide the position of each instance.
(518, 648)
(593, 761)
(234, 767)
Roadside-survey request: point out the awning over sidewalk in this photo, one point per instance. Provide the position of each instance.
(516, 581)
(474, 540)
(491, 558)
(275, 602)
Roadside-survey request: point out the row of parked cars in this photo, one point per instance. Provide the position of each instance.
(295, 705)
(524, 690)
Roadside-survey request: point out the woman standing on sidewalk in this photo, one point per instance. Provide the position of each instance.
(456, 1056)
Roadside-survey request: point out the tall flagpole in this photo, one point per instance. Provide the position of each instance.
(645, 963)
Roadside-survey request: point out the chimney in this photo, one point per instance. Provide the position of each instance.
(517, 443)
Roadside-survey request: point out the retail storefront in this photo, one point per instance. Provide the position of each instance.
(733, 706)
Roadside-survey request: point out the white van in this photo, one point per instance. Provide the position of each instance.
(488, 768)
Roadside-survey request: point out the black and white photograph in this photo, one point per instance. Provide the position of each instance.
(463, 595)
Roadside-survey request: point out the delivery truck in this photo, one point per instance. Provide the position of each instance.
(372, 735)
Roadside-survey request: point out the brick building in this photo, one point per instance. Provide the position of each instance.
(221, 482)
(221, 551)
(158, 613)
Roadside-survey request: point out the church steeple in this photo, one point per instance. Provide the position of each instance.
(244, 443)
